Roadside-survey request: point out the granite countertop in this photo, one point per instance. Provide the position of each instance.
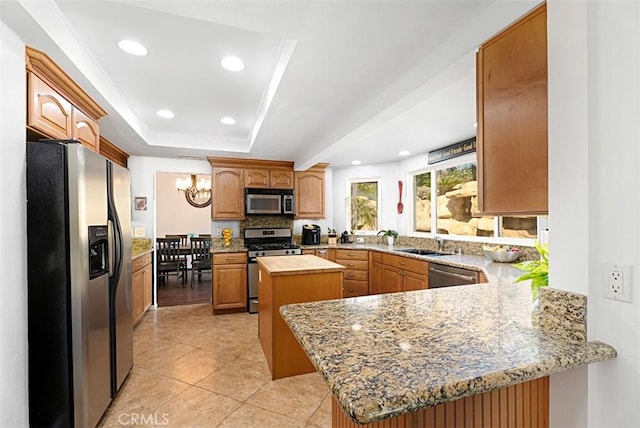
(135, 253)
(305, 264)
(389, 354)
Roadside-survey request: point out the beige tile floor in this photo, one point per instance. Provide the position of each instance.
(193, 369)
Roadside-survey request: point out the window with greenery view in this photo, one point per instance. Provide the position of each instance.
(422, 196)
(456, 206)
(363, 203)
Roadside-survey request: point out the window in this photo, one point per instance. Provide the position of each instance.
(422, 197)
(363, 205)
(457, 202)
(455, 207)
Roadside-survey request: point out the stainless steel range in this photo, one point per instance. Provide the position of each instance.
(265, 242)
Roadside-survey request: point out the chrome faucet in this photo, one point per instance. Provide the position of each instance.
(440, 242)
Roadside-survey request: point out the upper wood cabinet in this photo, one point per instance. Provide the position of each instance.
(227, 188)
(275, 179)
(56, 106)
(512, 119)
(85, 130)
(310, 192)
(48, 111)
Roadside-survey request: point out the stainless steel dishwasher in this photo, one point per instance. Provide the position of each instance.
(445, 276)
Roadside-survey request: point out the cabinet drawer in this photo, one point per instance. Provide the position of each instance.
(360, 275)
(376, 256)
(355, 288)
(406, 263)
(353, 264)
(140, 262)
(352, 254)
(229, 258)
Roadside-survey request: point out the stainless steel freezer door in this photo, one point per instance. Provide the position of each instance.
(87, 175)
(123, 303)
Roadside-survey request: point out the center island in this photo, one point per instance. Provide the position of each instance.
(446, 356)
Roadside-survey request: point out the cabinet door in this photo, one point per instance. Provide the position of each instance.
(256, 178)
(281, 179)
(392, 280)
(137, 295)
(85, 129)
(230, 286)
(47, 110)
(512, 119)
(414, 281)
(228, 193)
(309, 194)
(376, 281)
(147, 287)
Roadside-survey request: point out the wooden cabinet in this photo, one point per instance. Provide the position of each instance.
(56, 106)
(229, 281)
(227, 187)
(512, 119)
(376, 273)
(310, 192)
(404, 274)
(325, 253)
(47, 110)
(311, 280)
(141, 285)
(85, 130)
(356, 277)
(275, 179)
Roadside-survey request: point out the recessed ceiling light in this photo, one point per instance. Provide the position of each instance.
(134, 48)
(165, 114)
(228, 120)
(232, 63)
(404, 152)
(356, 162)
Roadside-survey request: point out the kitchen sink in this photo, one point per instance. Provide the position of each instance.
(422, 252)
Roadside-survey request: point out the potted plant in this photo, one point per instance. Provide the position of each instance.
(536, 270)
(390, 234)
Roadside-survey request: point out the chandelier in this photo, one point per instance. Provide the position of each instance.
(197, 192)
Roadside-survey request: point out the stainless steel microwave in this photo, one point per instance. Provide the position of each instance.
(269, 201)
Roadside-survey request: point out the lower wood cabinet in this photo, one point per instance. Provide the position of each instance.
(356, 277)
(141, 285)
(229, 281)
(404, 274)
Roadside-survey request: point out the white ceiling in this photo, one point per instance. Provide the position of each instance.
(325, 81)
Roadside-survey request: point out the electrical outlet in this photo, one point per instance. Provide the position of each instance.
(360, 240)
(617, 282)
(218, 231)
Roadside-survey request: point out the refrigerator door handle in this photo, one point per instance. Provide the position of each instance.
(112, 249)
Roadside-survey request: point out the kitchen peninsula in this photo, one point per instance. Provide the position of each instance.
(430, 356)
(284, 280)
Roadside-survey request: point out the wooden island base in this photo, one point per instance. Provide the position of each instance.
(522, 405)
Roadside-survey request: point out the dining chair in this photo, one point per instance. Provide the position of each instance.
(200, 257)
(168, 259)
(184, 251)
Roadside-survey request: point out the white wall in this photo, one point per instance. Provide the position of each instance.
(13, 233)
(388, 174)
(143, 174)
(174, 214)
(614, 203)
(594, 200)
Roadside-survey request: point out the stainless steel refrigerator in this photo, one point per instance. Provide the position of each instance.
(80, 328)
